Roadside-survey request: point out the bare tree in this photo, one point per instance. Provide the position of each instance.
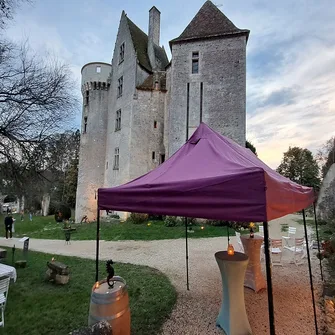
(7, 9)
(36, 100)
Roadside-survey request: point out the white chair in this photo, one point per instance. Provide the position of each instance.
(238, 239)
(261, 231)
(291, 233)
(297, 249)
(4, 287)
(310, 246)
(276, 248)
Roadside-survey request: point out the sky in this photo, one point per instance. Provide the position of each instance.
(290, 56)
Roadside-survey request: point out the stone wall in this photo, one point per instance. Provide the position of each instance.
(146, 139)
(121, 138)
(324, 207)
(222, 70)
(166, 111)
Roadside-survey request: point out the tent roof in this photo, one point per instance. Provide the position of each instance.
(211, 177)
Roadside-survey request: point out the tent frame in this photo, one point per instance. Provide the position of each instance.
(266, 248)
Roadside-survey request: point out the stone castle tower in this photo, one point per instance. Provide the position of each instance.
(140, 109)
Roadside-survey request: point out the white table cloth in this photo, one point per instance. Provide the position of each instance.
(7, 271)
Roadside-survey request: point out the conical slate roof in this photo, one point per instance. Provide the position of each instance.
(209, 22)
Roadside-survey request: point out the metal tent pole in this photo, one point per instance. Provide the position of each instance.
(187, 282)
(310, 273)
(317, 237)
(268, 278)
(97, 247)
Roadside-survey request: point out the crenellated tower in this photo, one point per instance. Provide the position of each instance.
(95, 83)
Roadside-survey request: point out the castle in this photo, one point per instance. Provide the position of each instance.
(140, 109)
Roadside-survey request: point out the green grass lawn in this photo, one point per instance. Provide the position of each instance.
(47, 228)
(36, 307)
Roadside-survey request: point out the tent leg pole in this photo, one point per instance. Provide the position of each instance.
(97, 247)
(317, 237)
(310, 273)
(187, 282)
(269, 279)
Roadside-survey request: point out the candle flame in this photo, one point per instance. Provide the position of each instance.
(230, 250)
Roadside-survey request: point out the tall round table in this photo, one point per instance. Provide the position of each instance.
(254, 278)
(233, 317)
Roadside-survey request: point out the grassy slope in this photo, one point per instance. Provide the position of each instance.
(47, 228)
(38, 307)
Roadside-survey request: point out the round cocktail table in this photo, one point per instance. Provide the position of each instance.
(233, 317)
(254, 278)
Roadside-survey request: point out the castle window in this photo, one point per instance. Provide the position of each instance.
(155, 124)
(121, 58)
(87, 97)
(116, 159)
(195, 62)
(85, 124)
(162, 159)
(153, 155)
(98, 69)
(119, 87)
(118, 120)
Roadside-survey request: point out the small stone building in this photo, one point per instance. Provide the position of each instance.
(140, 109)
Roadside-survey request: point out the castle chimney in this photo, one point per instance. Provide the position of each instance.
(154, 25)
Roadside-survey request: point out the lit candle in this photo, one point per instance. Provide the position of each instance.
(252, 225)
(230, 250)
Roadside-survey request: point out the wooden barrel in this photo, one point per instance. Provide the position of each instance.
(112, 305)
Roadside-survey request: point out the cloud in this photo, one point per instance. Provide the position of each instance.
(283, 96)
(290, 82)
(290, 56)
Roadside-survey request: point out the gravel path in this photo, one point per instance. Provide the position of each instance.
(196, 310)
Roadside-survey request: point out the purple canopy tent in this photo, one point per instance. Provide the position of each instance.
(212, 177)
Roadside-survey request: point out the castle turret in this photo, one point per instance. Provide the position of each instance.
(94, 86)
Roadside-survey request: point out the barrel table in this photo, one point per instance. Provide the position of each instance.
(254, 278)
(111, 305)
(233, 317)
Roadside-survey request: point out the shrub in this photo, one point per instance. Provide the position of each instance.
(138, 218)
(192, 221)
(53, 208)
(115, 216)
(62, 212)
(155, 217)
(217, 223)
(231, 224)
(171, 221)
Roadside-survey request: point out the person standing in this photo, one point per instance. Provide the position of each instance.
(22, 215)
(8, 225)
(31, 216)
